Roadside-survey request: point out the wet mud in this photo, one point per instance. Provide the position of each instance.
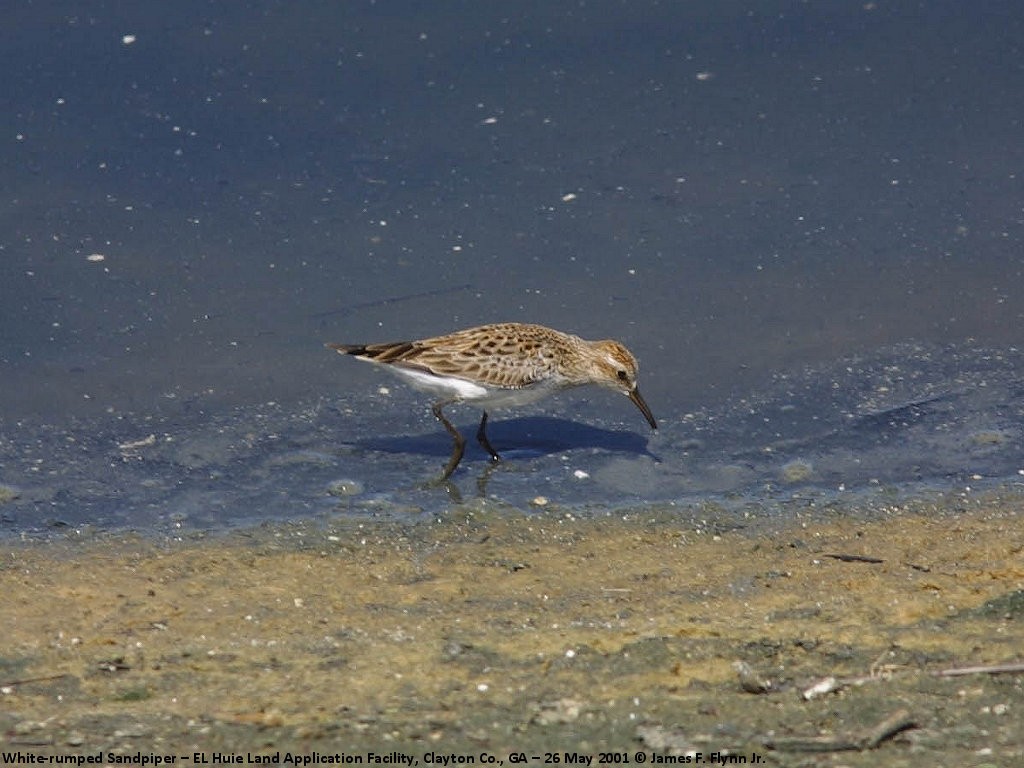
(835, 637)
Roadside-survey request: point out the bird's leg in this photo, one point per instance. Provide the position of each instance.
(460, 442)
(481, 437)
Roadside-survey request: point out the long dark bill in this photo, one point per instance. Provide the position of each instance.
(639, 403)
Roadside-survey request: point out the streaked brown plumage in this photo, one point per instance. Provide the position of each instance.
(500, 365)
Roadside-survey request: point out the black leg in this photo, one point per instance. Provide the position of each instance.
(457, 449)
(481, 437)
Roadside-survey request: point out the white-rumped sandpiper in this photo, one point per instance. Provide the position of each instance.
(502, 365)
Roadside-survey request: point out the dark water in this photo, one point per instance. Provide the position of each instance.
(804, 219)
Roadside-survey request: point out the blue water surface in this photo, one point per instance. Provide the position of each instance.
(805, 219)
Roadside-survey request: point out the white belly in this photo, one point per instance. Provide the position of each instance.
(450, 388)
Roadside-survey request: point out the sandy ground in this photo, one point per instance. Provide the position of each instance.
(493, 635)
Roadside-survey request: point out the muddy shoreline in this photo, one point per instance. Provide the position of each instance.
(478, 632)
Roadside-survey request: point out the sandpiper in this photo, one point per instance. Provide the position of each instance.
(502, 365)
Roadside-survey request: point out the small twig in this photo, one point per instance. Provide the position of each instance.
(854, 558)
(994, 669)
(898, 721)
(27, 680)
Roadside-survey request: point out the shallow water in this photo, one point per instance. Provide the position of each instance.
(906, 423)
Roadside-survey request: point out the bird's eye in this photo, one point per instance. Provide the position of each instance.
(623, 376)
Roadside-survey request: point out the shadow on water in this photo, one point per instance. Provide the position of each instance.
(522, 437)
